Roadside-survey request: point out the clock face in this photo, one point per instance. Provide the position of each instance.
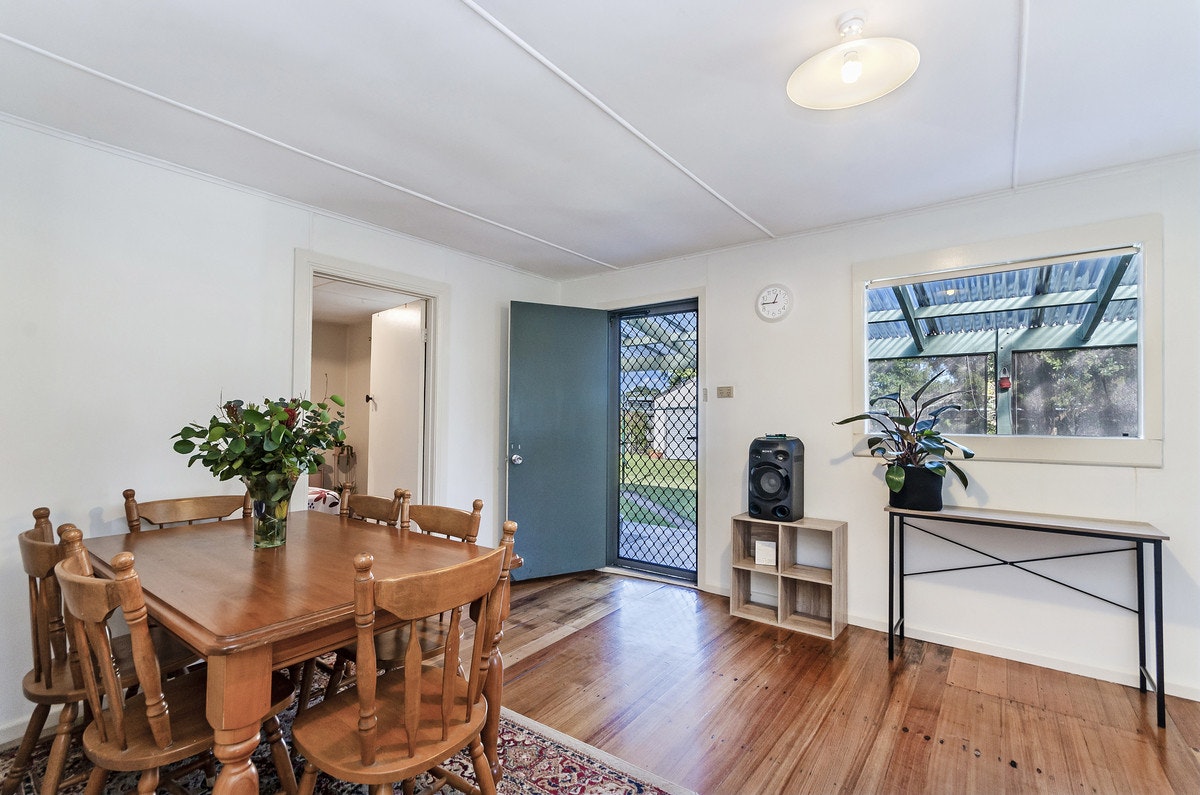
(774, 302)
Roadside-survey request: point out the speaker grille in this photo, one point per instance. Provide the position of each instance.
(768, 482)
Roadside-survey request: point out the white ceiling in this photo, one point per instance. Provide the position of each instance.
(345, 303)
(570, 137)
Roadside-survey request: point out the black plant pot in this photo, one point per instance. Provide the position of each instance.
(922, 491)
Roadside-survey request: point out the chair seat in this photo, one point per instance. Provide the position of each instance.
(36, 691)
(327, 732)
(191, 733)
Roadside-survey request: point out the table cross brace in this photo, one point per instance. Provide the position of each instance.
(1017, 564)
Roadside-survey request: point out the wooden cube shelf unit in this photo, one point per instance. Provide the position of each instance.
(805, 589)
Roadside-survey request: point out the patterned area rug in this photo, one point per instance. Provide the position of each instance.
(537, 761)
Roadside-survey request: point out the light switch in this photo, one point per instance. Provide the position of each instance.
(724, 392)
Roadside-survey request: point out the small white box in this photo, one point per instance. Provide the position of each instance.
(764, 553)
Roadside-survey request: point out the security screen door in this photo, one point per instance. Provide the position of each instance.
(656, 375)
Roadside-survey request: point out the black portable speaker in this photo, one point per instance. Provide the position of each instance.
(777, 478)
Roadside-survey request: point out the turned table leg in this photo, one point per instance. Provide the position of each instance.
(239, 693)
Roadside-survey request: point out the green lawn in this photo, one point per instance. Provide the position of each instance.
(639, 468)
(676, 501)
(662, 482)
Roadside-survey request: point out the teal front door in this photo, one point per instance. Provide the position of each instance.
(558, 414)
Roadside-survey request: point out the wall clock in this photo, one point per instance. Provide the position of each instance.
(774, 302)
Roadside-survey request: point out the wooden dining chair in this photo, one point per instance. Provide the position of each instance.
(371, 509)
(166, 720)
(55, 678)
(183, 510)
(446, 522)
(397, 724)
(452, 523)
(375, 509)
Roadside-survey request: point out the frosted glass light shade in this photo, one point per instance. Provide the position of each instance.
(887, 64)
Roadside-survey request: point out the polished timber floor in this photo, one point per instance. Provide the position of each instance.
(662, 676)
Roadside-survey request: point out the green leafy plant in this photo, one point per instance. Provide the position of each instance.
(268, 446)
(907, 435)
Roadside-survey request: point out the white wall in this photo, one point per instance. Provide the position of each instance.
(358, 386)
(398, 410)
(329, 369)
(795, 377)
(329, 377)
(136, 296)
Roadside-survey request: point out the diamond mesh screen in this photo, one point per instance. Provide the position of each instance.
(658, 426)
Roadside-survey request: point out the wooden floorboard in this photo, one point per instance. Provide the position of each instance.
(662, 676)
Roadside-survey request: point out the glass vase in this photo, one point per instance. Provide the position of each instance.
(270, 495)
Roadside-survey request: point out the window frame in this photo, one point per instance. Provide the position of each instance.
(1011, 253)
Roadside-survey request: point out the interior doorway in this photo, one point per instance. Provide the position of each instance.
(370, 345)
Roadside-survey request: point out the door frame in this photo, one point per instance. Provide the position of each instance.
(309, 264)
(705, 580)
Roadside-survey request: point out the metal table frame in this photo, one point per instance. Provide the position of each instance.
(1139, 534)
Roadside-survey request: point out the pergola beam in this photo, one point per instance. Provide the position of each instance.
(907, 310)
(969, 343)
(665, 345)
(1073, 298)
(1103, 295)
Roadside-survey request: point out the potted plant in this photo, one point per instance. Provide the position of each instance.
(912, 448)
(268, 446)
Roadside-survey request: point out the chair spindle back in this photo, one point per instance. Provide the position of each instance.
(92, 602)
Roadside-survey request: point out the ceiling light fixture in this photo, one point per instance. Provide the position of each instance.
(856, 71)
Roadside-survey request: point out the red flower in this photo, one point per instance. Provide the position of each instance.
(292, 415)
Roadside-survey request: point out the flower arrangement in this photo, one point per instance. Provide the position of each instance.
(268, 446)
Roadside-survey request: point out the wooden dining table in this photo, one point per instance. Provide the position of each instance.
(250, 611)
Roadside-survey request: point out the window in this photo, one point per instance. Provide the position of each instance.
(1054, 358)
(1043, 348)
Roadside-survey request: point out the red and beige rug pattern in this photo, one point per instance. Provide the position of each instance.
(542, 760)
(537, 761)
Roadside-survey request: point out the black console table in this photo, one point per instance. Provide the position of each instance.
(1139, 534)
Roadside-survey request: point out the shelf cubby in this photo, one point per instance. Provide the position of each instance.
(805, 589)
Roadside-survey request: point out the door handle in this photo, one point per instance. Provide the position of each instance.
(516, 459)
